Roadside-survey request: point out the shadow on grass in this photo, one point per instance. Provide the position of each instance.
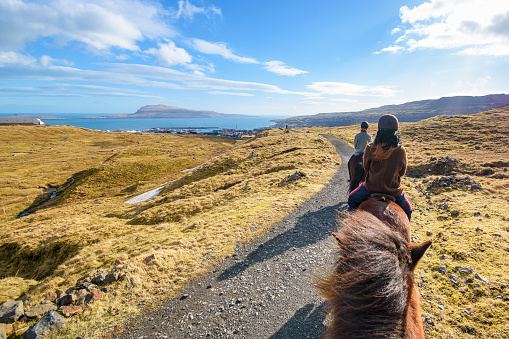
(311, 228)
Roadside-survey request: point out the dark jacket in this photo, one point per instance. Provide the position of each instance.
(384, 169)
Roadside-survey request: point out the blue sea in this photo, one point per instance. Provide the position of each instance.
(128, 124)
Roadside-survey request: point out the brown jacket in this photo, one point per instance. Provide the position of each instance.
(384, 169)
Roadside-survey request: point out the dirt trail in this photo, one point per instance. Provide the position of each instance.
(264, 290)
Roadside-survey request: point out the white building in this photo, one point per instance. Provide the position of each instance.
(21, 119)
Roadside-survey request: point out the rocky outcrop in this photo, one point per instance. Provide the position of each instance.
(48, 324)
(11, 311)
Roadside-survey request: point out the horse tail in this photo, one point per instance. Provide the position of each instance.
(357, 175)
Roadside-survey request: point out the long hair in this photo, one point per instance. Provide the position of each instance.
(387, 138)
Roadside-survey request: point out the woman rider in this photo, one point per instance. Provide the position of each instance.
(385, 162)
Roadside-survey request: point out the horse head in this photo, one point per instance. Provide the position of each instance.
(371, 292)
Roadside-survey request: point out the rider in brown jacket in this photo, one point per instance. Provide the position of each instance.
(385, 162)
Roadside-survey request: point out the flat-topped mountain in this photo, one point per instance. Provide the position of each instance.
(407, 112)
(163, 111)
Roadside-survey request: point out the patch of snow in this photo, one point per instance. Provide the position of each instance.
(145, 196)
(189, 169)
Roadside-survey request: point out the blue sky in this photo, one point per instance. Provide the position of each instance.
(247, 57)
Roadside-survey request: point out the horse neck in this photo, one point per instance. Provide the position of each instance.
(414, 328)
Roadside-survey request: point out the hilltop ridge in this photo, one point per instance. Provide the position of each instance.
(407, 112)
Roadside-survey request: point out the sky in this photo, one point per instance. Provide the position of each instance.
(254, 57)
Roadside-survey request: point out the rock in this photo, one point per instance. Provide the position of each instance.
(99, 278)
(294, 177)
(48, 324)
(497, 235)
(59, 293)
(464, 270)
(478, 229)
(454, 279)
(40, 309)
(69, 290)
(51, 296)
(252, 155)
(5, 330)
(442, 217)
(127, 266)
(475, 187)
(118, 262)
(65, 300)
(442, 269)
(429, 233)
(111, 277)
(93, 296)
(11, 311)
(68, 311)
(443, 256)
(81, 296)
(479, 277)
(455, 213)
(477, 213)
(150, 259)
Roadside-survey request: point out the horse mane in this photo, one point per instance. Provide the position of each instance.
(368, 291)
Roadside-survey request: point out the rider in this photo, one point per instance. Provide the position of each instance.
(385, 162)
(359, 143)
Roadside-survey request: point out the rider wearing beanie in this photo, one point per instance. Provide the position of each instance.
(385, 162)
(359, 143)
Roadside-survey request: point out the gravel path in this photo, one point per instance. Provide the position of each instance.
(265, 289)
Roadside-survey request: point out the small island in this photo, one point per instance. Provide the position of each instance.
(163, 111)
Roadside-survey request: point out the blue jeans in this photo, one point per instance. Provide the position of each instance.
(361, 194)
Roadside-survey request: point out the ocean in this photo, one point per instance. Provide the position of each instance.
(128, 124)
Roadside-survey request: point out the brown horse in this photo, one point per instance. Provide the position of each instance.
(357, 173)
(371, 293)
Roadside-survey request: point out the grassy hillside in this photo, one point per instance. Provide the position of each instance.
(235, 191)
(469, 226)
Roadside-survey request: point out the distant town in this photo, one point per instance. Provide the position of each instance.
(225, 132)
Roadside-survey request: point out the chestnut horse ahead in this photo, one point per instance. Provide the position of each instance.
(371, 293)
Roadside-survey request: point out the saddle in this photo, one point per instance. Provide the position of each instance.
(382, 197)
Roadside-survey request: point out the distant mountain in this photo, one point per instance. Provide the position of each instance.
(408, 112)
(162, 111)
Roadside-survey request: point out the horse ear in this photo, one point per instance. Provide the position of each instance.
(417, 251)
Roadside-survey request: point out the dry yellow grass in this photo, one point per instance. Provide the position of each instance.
(478, 237)
(196, 221)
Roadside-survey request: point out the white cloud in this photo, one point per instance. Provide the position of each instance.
(133, 75)
(67, 90)
(14, 59)
(280, 68)
(188, 10)
(392, 49)
(341, 88)
(99, 25)
(48, 61)
(169, 54)
(473, 27)
(219, 48)
(231, 93)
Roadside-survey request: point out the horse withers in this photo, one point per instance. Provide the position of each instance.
(371, 293)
